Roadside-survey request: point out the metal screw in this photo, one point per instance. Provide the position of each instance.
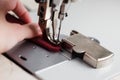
(95, 40)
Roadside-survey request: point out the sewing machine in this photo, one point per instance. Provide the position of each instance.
(54, 50)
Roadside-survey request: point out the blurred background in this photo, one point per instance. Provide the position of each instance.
(30, 4)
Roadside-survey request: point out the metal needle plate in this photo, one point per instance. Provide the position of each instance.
(34, 58)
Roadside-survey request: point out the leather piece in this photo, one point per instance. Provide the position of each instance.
(46, 44)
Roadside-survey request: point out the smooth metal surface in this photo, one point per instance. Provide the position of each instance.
(33, 57)
(91, 52)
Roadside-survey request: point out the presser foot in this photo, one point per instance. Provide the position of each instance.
(88, 49)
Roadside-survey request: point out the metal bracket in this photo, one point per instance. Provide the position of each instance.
(88, 50)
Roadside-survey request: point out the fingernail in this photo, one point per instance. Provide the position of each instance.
(38, 27)
(39, 32)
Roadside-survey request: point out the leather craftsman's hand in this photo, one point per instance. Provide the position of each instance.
(12, 29)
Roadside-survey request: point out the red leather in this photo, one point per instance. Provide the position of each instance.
(46, 44)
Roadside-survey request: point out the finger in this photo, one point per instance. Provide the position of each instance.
(17, 33)
(30, 30)
(22, 12)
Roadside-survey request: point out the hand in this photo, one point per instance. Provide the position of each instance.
(12, 29)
